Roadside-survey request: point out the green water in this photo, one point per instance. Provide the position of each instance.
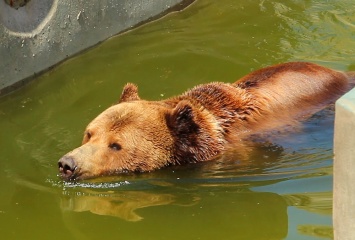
(285, 191)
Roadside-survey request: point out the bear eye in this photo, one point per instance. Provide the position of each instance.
(115, 146)
(88, 135)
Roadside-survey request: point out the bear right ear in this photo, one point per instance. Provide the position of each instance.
(182, 119)
(129, 93)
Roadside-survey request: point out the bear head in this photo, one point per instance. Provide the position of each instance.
(136, 135)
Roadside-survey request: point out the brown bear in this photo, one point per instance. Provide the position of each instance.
(136, 135)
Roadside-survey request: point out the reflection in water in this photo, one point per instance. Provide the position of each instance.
(254, 214)
(121, 205)
(316, 231)
(316, 202)
(197, 206)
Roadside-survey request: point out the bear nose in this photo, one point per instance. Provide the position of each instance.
(67, 167)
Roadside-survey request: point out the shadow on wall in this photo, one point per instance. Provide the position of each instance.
(24, 17)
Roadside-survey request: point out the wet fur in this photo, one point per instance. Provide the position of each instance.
(200, 123)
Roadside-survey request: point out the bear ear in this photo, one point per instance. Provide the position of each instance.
(182, 119)
(129, 93)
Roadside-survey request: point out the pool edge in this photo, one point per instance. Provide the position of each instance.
(344, 166)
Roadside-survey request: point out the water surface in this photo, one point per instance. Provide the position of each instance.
(283, 192)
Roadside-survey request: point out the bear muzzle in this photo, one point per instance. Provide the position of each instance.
(67, 167)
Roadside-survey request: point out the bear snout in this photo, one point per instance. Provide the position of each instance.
(67, 167)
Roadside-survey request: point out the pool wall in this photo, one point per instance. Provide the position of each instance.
(344, 168)
(43, 33)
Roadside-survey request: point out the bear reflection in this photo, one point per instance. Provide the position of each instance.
(250, 215)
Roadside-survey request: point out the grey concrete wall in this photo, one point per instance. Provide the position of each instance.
(44, 32)
(344, 168)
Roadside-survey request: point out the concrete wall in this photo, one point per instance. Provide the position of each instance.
(344, 168)
(44, 32)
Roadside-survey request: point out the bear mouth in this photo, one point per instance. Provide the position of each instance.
(68, 173)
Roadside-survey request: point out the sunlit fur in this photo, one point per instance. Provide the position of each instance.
(200, 123)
